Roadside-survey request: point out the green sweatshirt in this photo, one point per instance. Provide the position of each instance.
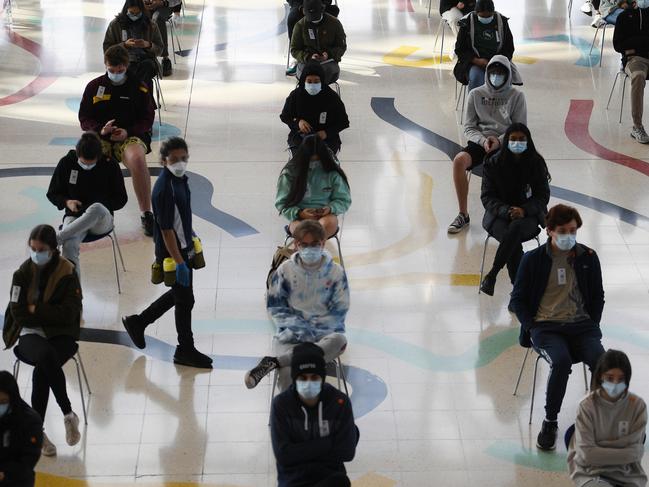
(323, 189)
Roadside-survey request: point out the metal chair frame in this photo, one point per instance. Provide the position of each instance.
(621, 72)
(442, 24)
(175, 38)
(460, 95)
(592, 45)
(116, 250)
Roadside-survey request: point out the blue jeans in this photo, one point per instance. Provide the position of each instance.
(476, 77)
(612, 17)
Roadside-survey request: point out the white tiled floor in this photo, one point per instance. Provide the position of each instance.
(448, 357)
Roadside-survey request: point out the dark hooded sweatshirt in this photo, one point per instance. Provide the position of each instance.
(21, 437)
(632, 32)
(324, 111)
(311, 444)
(446, 5)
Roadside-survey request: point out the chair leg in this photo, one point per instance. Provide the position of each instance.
(484, 254)
(83, 371)
(171, 34)
(613, 89)
(340, 253)
(337, 368)
(585, 378)
(626, 78)
(16, 369)
(341, 367)
(601, 52)
(536, 366)
(119, 251)
(288, 55)
(441, 51)
(592, 44)
(83, 399)
(119, 287)
(520, 372)
(466, 88)
(570, 10)
(430, 4)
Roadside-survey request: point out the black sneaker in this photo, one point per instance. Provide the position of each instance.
(265, 366)
(547, 439)
(167, 69)
(488, 285)
(510, 307)
(460, 223)
(192, 358)
(147, 223)
(135, 329)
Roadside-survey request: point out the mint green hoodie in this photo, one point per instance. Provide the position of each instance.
(322, 189)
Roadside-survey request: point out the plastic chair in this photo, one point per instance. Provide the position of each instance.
(335, 235)
(486, 240)
(115, 243)
(79, 365)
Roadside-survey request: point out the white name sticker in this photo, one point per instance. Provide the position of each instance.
(561, 276)
(311, 34)
(15, 294)
(323, 117)
(528, 192)
(623, 428)
(100, 91)
(124, 36)
(74, 175)
(324, 429)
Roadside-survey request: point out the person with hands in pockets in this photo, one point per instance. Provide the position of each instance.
(175, 242)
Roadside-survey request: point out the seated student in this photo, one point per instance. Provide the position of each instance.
(631, 39)
(452, 11)
(607, 447)
(161, 11)
(312, 186)
(295, 15)
(490, 110)
(120, 109)
(44, 317)
(90, 187)
(134, 30)
(318, 37)
(314, 108)
(22, 431)
(515, 194)
(312, 426)
(308, 300)
(558, 299)
(483, 34)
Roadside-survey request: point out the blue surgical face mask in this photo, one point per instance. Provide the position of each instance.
(310, 255)
(614, 390)
(308, 389)
(565, 241)
(517, 146)
(486, 20)
(4, 409)
(497, 80)
(117, 78)
(40, 258)
(134, 17)
(87, 167)
(313, 88)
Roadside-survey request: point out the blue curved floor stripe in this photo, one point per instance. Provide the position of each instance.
(586, 59)
(384, 108)
(200, 186)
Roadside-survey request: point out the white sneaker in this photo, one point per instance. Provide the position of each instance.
(72, 435)
(598, 21)
(587, 7)
(48, 449)
(639, 134)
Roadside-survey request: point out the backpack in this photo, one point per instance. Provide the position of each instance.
(282, 254)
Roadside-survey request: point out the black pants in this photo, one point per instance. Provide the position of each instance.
(48, 356)
(144, 70)
(182, 300)
(562, 344)
(336, 480)
(295, 15)
(511, 234)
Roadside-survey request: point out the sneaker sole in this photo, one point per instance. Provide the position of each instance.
(247, 383)
(454, 230)
(554, 447)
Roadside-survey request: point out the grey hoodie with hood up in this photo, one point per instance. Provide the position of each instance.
(490, 111)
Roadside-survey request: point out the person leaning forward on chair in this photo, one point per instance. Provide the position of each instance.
(515, 194)
(312, 426)
(44, 317)
(490, 110)
(90, 187)
(177, 252)
(120, 109)
(558, 299)
(308, 300)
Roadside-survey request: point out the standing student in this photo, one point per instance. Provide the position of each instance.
(21, 429)
(90, 187)
(515, 194)
(174, 241)
(44, 317)
(607, 447)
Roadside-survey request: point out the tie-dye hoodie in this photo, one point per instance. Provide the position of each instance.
(305, 304)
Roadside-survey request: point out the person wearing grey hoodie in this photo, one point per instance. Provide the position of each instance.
(490, 110)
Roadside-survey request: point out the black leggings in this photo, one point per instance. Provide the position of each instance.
(511, 234)
(336, 480)
(48, 356)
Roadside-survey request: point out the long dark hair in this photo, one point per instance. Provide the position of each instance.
(533, 160)
(132, 3)
(298, 167)
(45, 234)
(611, 359)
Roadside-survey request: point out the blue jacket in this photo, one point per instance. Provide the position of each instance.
(311, 444)
(532, 279)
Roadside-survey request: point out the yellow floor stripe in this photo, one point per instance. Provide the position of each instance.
(398, 57)
(415, 278)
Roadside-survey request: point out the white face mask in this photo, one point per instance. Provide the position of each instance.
(614, 390)
(308, 389)
(565, 241)
(87, 167)
(313, 88)
(486, 20)
(116, 78)
(497, 80)
(178, 169)
(40, 258)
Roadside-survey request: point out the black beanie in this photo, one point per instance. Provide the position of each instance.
(485, 6)
(308, 358)
(313, 10)
(312, 67)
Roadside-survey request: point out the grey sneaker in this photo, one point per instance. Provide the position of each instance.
(48, 449)
(72, 435)
(460, 223)
(639, 134)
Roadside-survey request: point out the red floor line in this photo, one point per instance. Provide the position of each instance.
(576, 129)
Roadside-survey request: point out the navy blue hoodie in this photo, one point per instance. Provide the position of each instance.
(311, 444)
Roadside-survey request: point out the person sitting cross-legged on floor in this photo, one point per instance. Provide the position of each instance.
(307, 301)
(558, 299)
(312, 426)
(90, 187)
(490, 110)
(515, 194)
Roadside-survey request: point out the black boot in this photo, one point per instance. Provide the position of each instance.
(488, 284)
